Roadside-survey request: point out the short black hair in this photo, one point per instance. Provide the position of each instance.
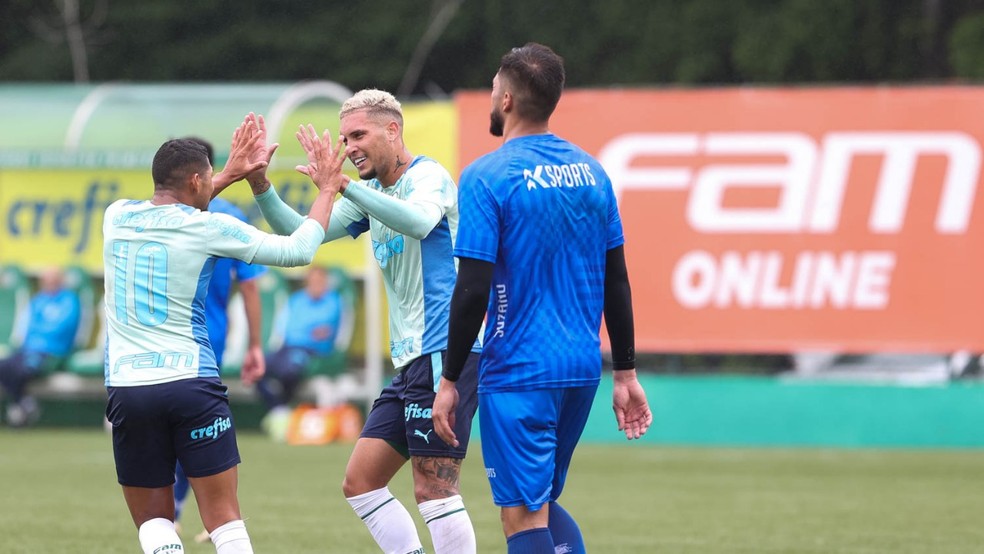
(536, 75)
(207, 145)
(176, 160)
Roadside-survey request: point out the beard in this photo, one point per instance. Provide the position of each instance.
(497, 123)
(367, 171)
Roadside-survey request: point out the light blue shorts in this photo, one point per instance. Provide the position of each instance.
(528, 438)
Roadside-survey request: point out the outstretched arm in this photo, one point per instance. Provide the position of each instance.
(413, 219)
(324, 168)
(281, 217)
(284, 220)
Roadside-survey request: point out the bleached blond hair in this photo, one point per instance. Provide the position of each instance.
(375, 102)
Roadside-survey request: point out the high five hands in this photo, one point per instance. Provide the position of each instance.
(247, 139)
(325, 161)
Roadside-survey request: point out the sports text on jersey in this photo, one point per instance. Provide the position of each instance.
(553, 176)
(221, 425)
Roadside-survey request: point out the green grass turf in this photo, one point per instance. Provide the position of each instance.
(59, 494)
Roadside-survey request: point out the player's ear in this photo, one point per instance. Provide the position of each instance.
(195, 183)
(392, 130)
(507, 101)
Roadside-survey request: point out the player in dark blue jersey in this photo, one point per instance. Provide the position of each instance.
(540, 246)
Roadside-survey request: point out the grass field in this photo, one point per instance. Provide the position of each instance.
(59, 494)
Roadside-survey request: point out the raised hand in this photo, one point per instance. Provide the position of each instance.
(324, 161)
(244, 140)
(262, 152)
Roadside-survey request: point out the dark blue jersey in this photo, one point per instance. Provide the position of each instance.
(543, 212)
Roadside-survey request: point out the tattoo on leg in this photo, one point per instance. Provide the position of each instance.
(437, 477)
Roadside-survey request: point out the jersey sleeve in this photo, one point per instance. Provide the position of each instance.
(227, 237)
(347, 217)
(478, 227)
(430, 193)
(344, 220)
(615, 237)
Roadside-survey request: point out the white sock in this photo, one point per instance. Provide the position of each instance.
(450, 527)
(231, 538)
(388, 521)
(157, 536)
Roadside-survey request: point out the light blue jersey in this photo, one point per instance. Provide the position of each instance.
(414, 251)
(311, 323)
(158, 260)
(54, 319)
(543, 212)
(419, 274)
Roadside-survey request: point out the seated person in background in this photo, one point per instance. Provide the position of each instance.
(309, 324)
(52, 322)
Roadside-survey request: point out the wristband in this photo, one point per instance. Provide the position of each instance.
(448, 376)
(623, 365)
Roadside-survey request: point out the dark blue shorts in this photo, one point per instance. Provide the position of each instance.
(156, 425)
(402, 414)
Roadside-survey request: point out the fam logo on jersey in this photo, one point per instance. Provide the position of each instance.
(399, 348)
(414, 411)
(387, 248)
(221, 425)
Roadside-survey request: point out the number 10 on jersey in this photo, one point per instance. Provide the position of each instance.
(148, 286)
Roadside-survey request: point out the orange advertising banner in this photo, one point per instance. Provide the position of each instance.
(779, 220)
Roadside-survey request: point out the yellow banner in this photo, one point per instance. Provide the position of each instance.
(54, 217)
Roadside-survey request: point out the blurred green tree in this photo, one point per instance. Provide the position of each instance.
(615, 42)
